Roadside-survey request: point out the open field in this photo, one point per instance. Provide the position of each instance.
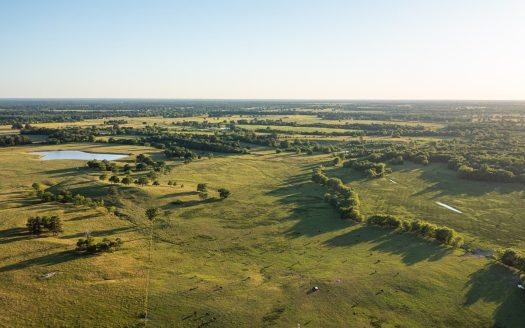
(491, 211)
(166, 121)
(249, 260)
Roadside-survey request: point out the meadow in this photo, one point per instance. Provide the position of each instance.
(249, 260)
(254, 258)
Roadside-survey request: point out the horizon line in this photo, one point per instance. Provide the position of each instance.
(263, 99)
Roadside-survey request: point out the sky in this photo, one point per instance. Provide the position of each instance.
(263, 49)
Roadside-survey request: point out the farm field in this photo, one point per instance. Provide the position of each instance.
(250, 259)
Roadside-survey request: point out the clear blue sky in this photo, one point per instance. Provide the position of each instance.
(369, 49)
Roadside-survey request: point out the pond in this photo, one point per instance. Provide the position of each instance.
(76, 154)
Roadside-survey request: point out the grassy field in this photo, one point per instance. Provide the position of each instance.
(492, 212)
(249, 260)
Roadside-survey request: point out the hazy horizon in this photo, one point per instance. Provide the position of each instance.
(276, 50)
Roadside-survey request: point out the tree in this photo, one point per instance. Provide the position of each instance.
(202, 187)
(224, 193)
(54, 225)
(36, 225)
(143, 181)
(152, 213)
(36, 186)
(127, 180)
(114, 179)
(445, 235)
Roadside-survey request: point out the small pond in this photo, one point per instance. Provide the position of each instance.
(76, 154)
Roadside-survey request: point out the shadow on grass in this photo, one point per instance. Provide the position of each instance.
(84, 217)
(81, 170)
(442, 181)
(412, 249)
(305, 199)
(180, 194)
(497, 284)
(101, 233)
(13, 235)
(191, 203)
(46, 260)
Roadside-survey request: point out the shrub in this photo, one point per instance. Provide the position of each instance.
(90, 246)
(224, 193)
(202, 187)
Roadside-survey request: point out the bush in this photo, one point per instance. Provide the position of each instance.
(202, 187)
(224, 193)
(512, 258)
(90, 246)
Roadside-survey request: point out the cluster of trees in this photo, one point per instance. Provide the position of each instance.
(223, 142)
(59, 136)
(373, 170)
(66, 196)
(127, 180)
(513, 258)
(115, 122)
(442, 234)
(103, 165)
(354, 129)
(342, 197)
(90, 245)
(182, 153)
(14, 140)
(486, 153)
(487, 173)
(142, 163)
(38, 224)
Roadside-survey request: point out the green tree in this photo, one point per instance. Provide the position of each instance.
(202, 187)
(224, 193)
(143, 181)
(152, 213)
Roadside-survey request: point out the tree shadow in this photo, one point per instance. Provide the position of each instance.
(179, 194)
(100, 233)
(412, 249)
(46, 260)
(442, 181)
(496, 284)
(191, 203)
(13, 235)
(312, 214)
(84, 217)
